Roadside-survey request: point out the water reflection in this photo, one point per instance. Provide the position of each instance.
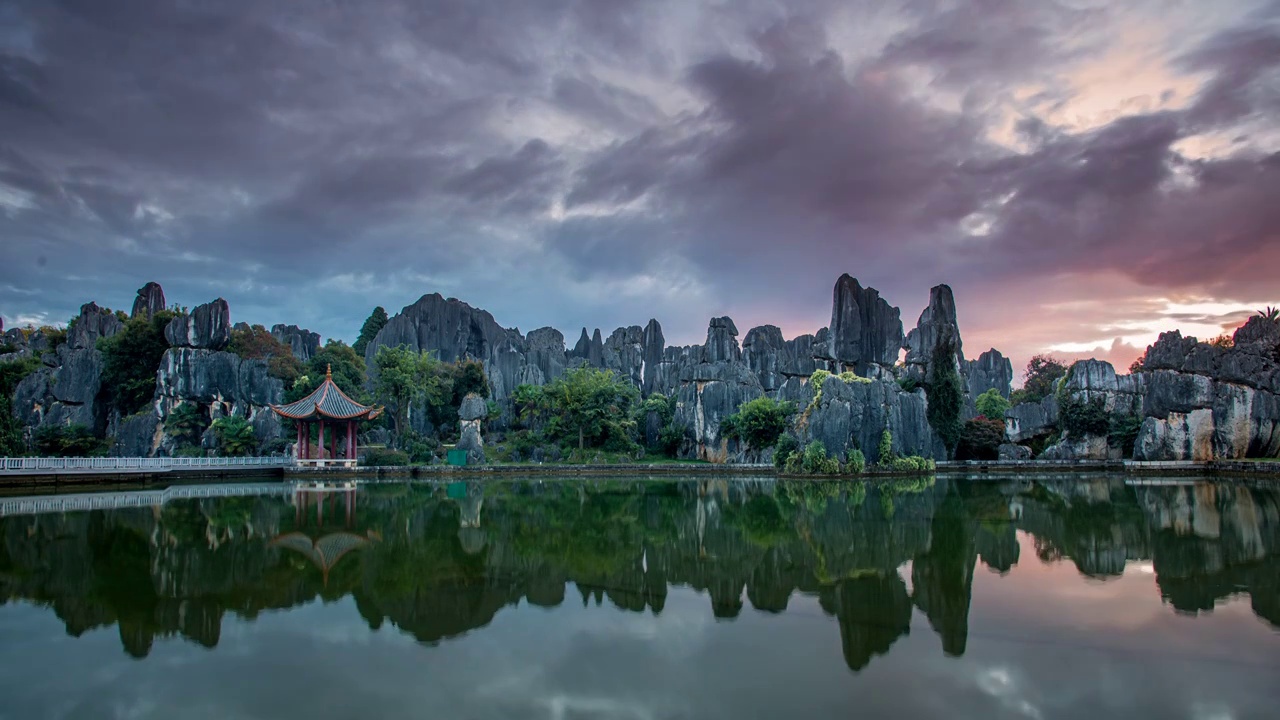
(439, 560)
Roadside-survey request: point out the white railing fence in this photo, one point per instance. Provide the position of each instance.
(108, 464)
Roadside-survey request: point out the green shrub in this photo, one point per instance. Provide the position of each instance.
(758, 423)
(908, 384)
(69, 441)
(1123, 432)
(945, 395)
(981, 439)
(992, 404)
(912, 464)
(884, 452)
(12, 373)
(382, 457)
(186, 424)
(856, 464)
(851, 377)
(1079, 416)
(234, 436)
(1040, 380)
(189, 451)
(130, 359)
(784, 449)
(816, 462)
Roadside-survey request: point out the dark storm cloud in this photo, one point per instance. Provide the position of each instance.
(552, 160)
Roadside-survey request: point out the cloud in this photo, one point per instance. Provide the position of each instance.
(571, 163)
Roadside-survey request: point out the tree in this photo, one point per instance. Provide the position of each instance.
(1041, 379)
(186, 424)
(404, 378)
(12, 373)
(234, 435)
(348, 372)
(68, 441)
(130, 359)
(991, 404)
(593, 406)
(945, 394)
(375, 322)
(759, 422)
(257, 343)
(981, 439)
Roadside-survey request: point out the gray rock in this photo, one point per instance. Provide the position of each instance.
(207, 327)
(990, 371)
(473, 407)
(653, 346)
(78, 377)
(150, 301)
(138, 435)
(722, 341)
(936, 327)
(714, 392)
(92, 323)
(865, 330)
(589, 349)
(1030, 420)
(854, 415)
(773, 359)
(1087, 447)
(1009, 451)
(469, 439)
(624, 353)
(545, 350)
(304, 343)
(1258, 336)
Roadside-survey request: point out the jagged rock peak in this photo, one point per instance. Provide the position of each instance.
(722, 341)
(301, 341)
(150, 300)
(92, 323)
(208, 326)
(937, 326)
(991, 370)
(865, 329)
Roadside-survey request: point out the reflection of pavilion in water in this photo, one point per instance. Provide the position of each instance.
(328, 549)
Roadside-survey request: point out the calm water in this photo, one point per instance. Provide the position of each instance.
(726, 598)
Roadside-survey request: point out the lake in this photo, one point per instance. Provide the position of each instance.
(1071, 597)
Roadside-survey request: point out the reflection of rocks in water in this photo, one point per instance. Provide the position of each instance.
(942, 577)
(447, 559)
(873, 612)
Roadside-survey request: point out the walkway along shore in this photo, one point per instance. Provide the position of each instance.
(33, 478)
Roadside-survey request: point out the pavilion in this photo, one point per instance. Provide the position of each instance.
(327, 404)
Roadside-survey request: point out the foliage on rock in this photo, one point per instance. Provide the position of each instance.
(1040, 380)
(68, 441)
(130, 359)
(257, 343)
(759, 422)
(369, 330)
(946, 395)
(234, 436)
(991, 404)
(981, 439)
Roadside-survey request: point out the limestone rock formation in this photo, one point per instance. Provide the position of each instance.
(936, 327)
(1031, 420)
(589, 349)
(150, 300)
(991, 370)
(866, 332)
(710, 392)
(653, 345)
(207, 327)
(65, 391)
(854, 415)
(545, 351)
(773, 359)
(470, 416)
(302, 342)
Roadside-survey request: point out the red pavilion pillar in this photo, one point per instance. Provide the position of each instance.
(351, 439)
(333, 443)
(320, 440)
(306, 440)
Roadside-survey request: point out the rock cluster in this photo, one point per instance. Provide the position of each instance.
(208, 327)
(65, 391)
(150, 300)
(937, 327)
(866, 331)
(302, 342)
(471, 414)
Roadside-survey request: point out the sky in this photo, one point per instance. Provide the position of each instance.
(1083, 173)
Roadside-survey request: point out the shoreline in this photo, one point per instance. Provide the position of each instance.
(1243, 468)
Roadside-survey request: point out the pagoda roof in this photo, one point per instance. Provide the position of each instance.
(327, 401)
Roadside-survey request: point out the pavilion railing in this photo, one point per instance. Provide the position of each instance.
(135, 464)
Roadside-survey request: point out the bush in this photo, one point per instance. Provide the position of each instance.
(130, 359)
(235, 436)
(69, 441)
(851, 377)
(12, 373)
(992, 404)
(1079, 416)
(257, 343)
(981, 439)
(186, 424)
(884, 452)
(816, 462)
(375, 457)
(908, 384)
(783, 450)
(945, 394)
(1123, 432)
(1040, 380)
(759, 423)
(913, 464)
(420, 449)
(856, 463)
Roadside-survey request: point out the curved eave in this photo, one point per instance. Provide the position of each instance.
(327, 402)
